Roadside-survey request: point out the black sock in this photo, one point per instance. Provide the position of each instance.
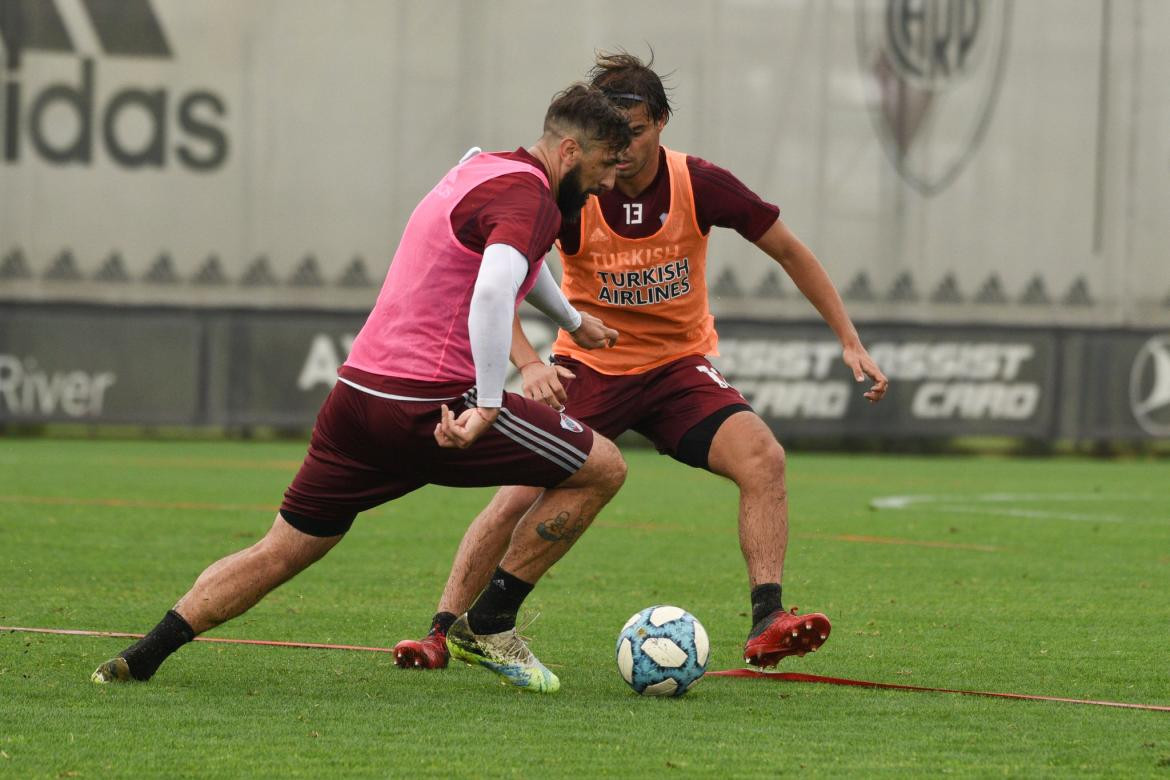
(495, 609)
(146, 655)
(441, 622)
(765, 601)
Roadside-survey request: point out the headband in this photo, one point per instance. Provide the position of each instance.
(625, 96)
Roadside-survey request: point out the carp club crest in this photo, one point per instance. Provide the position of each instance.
(933, 70)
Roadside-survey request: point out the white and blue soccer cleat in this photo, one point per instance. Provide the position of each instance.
(504, 653)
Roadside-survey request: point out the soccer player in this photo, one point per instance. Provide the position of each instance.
(420, 399)
(637, 258)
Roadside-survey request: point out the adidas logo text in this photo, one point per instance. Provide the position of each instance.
(67, 122)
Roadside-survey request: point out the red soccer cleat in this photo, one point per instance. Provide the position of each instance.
(782, 634)
(430, 652)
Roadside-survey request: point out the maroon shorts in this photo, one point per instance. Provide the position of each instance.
(662, 404)
(368, 448)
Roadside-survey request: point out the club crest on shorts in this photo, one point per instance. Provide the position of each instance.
(569, 424)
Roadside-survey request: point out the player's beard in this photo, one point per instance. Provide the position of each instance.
(570, 195)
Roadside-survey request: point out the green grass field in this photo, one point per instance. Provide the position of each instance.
(1028, 576)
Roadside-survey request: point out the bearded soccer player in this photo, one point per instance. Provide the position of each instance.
(420, 399)
(637, 258)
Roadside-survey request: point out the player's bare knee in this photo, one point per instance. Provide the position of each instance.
(773, 458)
(617, 475)
(509, 504)
(607, 465)
(762, 461)
(271, 561)
(285, 551)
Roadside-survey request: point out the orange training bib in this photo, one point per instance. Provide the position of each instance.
(652, 290)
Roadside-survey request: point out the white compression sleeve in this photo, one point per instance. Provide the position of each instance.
(489, 323)
(546, 296)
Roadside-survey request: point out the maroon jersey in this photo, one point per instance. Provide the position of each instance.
(514, 209)
(721, 200)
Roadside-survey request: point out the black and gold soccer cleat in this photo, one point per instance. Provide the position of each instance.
(114, 670)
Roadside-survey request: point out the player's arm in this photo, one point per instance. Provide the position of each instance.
(523, 217)
(802, 266)
(539, 380)
(522, 353)
(588, 331)
(489, 328)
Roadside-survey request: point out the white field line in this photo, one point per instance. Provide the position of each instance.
(1030, 514)
(900, 502)
(994, 504)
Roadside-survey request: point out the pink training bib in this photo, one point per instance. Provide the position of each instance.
(418, 327)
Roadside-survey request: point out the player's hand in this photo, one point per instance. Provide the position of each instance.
(593, 333)
(462, 431)
(542, 382)
(862, 366)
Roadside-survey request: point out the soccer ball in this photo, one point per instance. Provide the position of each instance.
(662, 651)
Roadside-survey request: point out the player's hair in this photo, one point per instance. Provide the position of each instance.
(628, 82)
(585, 112)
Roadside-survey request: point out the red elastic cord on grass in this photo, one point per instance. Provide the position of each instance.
(749, 673)
(816, 678)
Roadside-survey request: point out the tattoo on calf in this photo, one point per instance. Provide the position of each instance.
(559, 530)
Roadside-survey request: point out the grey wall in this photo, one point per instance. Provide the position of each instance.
(1022, 174)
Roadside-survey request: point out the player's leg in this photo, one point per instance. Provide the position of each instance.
(706, 423)
(603, 403)
(233, 585)
(744, 450)
(225, 589)
(561, 514)
(335, 483)
(580, 472)
(480, 551)
(486, 633)
(485, 541)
